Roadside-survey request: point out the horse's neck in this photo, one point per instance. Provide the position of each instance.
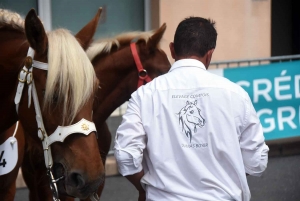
(12, 53)
(117, 74)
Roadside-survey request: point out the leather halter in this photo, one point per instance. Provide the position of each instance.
(142, 73)
(83, 126)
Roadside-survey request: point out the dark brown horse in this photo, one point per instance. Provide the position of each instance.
(15, 135)
(53, 88)
(116, 68)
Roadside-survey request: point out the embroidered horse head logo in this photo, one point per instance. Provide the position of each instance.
(190, 118)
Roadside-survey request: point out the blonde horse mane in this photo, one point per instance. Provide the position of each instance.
(71, 76)
(104, 46)
(9, 18)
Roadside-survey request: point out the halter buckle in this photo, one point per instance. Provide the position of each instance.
(143, 74)
(29, 78)
(41, 134)
(25, 78)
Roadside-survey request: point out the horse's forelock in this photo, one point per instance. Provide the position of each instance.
(71, 75)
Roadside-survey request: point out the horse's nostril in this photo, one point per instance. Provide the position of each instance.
(77, 180)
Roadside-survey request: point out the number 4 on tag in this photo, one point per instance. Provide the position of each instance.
(2, 162)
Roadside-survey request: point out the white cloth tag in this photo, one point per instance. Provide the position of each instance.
(8, 155)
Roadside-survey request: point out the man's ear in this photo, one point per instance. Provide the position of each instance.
(173, 54)
(208, 57)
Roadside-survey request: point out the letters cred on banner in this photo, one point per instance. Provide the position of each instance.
(275, 93)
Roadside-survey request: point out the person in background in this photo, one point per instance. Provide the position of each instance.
(190, 135)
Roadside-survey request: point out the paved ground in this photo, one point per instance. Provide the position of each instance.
(280, 182)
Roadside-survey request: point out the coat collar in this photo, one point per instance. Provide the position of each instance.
(187, 63)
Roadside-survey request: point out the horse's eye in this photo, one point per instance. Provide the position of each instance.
(192, 111)
(43, 92)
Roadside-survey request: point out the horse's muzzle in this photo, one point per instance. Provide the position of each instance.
(76, 183)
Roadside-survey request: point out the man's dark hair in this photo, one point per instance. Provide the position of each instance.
(195, 36)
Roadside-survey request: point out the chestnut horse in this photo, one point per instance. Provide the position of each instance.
(57, 75)
(15, 135)
(116, 68)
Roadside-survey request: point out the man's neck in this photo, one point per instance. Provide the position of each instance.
(201, 59)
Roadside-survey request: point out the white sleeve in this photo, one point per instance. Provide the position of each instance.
(130, 140)
(252, 142)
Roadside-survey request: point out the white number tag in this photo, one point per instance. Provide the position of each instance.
(8, 155)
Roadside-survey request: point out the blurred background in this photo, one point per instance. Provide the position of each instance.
(246, 29)
(257, 41)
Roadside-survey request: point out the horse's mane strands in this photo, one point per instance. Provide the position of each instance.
(104, 46)
(71, 76)
(9, 18)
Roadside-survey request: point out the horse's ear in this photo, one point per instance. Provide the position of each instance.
(85, 35)
(156, 37)
(35, 32)
(195, 103)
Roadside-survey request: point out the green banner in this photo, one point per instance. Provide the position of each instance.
(275, 93)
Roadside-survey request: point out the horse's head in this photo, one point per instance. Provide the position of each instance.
(190, 118)
(193, 115)
(117, 69)
(65, 91)
(154, 59)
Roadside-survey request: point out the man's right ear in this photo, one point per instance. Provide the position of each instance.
(173, 54)
(208, 57)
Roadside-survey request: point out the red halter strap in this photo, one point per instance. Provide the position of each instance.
(142, 73)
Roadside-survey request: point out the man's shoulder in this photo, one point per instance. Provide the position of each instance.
(157, 83)
(228, 85)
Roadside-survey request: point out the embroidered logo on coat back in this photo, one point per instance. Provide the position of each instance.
(190, 118)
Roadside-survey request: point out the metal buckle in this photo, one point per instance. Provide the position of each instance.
(25, 71)
(28, 76)
(29, 81)
(28, 65)
(143, 74)
(41, 134)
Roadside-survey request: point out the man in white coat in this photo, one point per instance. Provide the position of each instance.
(190, 135)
